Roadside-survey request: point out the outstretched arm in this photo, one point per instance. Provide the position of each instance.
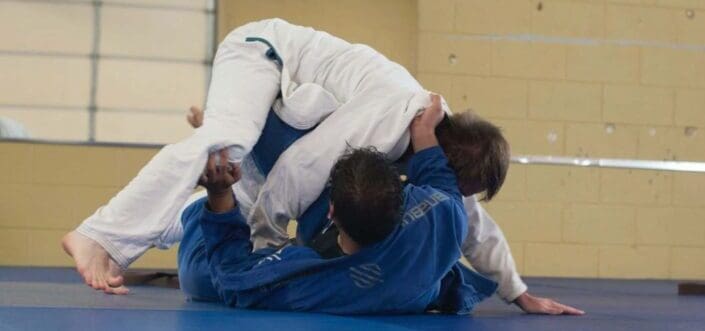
(488, 252)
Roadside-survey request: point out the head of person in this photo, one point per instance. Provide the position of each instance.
(477, 151)
(366, 198)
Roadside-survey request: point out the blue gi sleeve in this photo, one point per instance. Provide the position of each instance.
(228, 248)
(430, 167)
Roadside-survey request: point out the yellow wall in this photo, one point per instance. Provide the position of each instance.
(48, 189)
(555, 79)
(389, 26)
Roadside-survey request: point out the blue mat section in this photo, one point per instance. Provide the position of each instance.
(55, 299)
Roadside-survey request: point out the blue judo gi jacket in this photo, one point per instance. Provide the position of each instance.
(415, 269)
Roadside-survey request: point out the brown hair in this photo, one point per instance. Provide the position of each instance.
(476, 150)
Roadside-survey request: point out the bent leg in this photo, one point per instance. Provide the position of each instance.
(243, 87)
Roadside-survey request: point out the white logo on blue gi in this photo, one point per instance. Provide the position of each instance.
(366, 275)
(272, 257)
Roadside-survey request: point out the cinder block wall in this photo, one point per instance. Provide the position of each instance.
(618, 79)
(389, 26)
(48, 189)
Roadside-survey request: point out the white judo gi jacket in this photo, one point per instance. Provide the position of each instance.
(351, 93)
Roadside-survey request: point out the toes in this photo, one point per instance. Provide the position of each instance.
(99, 282)
(115, 281)
(88, 279)
(120, 290)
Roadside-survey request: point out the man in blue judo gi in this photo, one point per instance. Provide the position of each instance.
(401, 245)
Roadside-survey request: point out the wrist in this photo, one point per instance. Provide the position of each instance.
(219, 193)
(421, 140)
(221, 201)
(421, 130)
(522, 299)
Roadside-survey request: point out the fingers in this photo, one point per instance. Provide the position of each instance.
(203, 180)
(233, 174)
(568, 310)
(435, 100)
(236, 172)
(224, 157)
(554, 308)
(219, 173)
(223, 166)
(538, 305)
(210, 166)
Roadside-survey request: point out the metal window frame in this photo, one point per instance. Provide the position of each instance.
(210, 10)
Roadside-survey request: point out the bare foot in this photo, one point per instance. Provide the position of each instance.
(94, 264)
(195, 118)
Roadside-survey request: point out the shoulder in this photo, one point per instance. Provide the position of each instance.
(419, 200)
(417, 193)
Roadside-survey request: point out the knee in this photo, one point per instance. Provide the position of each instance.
(195, 279)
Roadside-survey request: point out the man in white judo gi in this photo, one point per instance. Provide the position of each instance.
(351, 94)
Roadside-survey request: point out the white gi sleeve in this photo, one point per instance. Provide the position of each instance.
(488, 252)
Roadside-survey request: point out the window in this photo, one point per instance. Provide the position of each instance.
(105, 71)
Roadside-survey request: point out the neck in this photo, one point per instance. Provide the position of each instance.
(347, 245)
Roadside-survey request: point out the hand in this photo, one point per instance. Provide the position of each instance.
(537, 305)
(423, 127)
(218, 180)
(431, 116)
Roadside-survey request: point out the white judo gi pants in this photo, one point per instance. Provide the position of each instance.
(353, 94)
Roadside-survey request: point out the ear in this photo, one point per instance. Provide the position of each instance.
(330, 211)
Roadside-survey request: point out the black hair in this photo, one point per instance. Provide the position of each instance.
(367, 196)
